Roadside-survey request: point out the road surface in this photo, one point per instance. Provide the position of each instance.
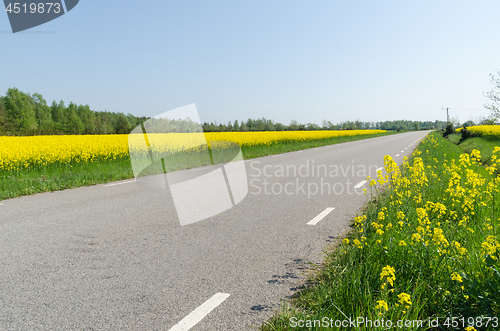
(115, 257)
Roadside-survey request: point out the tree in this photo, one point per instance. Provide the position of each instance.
(87, 117)
(243, 127)
(3, 116)
(236, 126)
(468, 123)
(449, 130)
(122, 126)
(494, 96)
(20, 112)
(59, 115)
(75, 124)
(455, 121)
(43, 114)
(294, 125)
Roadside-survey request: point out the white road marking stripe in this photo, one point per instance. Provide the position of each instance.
(277, 155)
(360, 184)
(130, 181)
(403, 151)
(199, 313)
(381, 168)
(397, 154)
(1, 204)
(322, 215)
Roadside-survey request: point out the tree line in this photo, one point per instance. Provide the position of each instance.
(269, 125)
(25, 114)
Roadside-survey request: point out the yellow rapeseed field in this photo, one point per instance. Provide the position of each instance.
(17, 153)
(484, 130)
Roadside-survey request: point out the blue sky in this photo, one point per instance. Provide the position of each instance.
(283, 60)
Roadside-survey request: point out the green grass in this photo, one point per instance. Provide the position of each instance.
(59, 177)
(454, 138)
(484, 144)
(54, 178)
(431, 269)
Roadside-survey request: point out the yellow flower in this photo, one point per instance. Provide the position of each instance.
(357, 243)
(402, 243)
(381, 216)
(404, 299)
(457, 277)
(439, 238)
(382, 304)
(388, 273)
(461, 250)
(415, 237)
(345, 241)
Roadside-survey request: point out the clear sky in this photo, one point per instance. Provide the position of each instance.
(283, 60)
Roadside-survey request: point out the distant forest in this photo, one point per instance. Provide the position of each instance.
(25, 114)
(269, 125)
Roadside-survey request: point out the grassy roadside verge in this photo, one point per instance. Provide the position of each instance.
(484, 144)
(423, 254)
(52, 178)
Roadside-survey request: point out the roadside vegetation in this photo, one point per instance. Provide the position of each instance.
(424, 253)
(481, 137)
(30, 165)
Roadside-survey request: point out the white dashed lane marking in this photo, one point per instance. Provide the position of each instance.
(360, 184)
(322, 215)
(199, 313)
(130, 181)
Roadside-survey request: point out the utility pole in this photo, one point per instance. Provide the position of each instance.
(447, 116)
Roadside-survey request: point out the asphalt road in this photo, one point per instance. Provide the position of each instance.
(115, 257)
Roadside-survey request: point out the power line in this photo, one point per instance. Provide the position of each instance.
(467, 109)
